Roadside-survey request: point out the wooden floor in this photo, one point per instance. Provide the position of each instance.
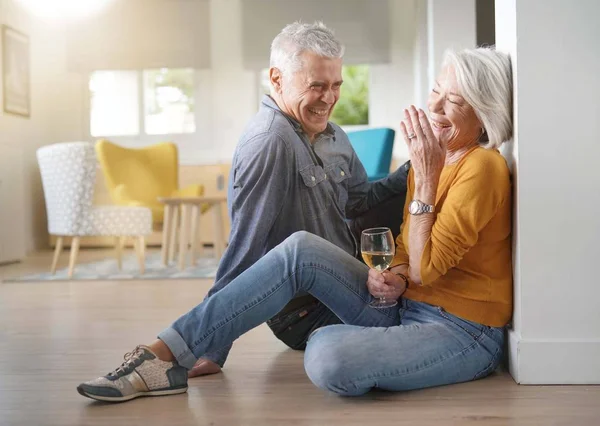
(53, 335)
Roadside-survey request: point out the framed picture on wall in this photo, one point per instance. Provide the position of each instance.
(16, 72)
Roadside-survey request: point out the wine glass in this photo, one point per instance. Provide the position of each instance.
(377, 248)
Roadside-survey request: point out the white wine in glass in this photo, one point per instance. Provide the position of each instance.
(377, 248)
(379, 260)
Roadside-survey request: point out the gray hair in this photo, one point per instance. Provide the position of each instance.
(484, 78)
(297, 38)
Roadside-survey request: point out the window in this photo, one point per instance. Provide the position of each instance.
(169, 101)
(114, 103)
(159, 101)
(353, 106)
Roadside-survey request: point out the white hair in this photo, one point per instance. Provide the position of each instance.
(297, 38)
(484, 78)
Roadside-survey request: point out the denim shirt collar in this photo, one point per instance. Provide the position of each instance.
(269, 102)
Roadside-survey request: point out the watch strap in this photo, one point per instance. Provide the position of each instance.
(422, 207)
(401, 275)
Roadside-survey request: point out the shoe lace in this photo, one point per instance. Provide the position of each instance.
(130, 358)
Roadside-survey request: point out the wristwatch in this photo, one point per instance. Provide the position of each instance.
(417, 207)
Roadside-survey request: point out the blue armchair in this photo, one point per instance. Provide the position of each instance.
(374, 150)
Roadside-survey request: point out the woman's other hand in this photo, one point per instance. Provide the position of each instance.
(385, 284)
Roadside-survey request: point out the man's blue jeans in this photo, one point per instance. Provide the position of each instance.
(414, 346)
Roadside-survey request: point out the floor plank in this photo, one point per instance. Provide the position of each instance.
(54, 335)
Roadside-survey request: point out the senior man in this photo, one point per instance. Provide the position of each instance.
(293, 170)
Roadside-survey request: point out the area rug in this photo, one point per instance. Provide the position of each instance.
(206, 267)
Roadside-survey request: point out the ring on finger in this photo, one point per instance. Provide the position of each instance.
(411, 136)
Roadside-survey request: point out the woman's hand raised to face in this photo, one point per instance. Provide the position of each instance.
(427, 153)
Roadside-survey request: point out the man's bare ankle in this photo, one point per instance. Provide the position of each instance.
(204, 367)
(162, 351)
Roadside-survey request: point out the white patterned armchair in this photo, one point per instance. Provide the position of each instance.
(68, 173)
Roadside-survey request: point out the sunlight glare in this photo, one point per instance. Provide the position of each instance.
(64, 9)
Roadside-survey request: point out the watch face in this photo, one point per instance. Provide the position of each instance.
(413, 207)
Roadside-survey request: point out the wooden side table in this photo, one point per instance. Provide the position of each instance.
(190, 220)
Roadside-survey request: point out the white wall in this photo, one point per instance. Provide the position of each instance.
(233, 97)
(391, 86)
(421, 31)
(450, 24)
(556, 334)
(53, 117)
(363, 25)
(421, 63)
(138, 34)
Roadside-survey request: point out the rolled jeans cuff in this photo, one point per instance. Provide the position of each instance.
(180, 350)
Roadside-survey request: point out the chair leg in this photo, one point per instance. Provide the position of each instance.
(175, 212)
(194, 231)
(166, 230)
(184, 231)
(57, 250)
(119, 243)
(140, 249)
(73, 257)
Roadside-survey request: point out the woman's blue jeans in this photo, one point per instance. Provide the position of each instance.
(414, 346)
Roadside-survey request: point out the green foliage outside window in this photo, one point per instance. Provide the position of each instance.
(353, 106)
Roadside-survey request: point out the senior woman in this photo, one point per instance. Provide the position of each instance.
(451, 272)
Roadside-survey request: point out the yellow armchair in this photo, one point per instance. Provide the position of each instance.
(138, 177)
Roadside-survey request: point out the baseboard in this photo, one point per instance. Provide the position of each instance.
(514, 339)
(554, 361)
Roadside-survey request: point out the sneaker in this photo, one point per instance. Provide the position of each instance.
(142, 374)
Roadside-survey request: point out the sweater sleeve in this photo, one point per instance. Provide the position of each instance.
(474, 197)
(401, 256)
